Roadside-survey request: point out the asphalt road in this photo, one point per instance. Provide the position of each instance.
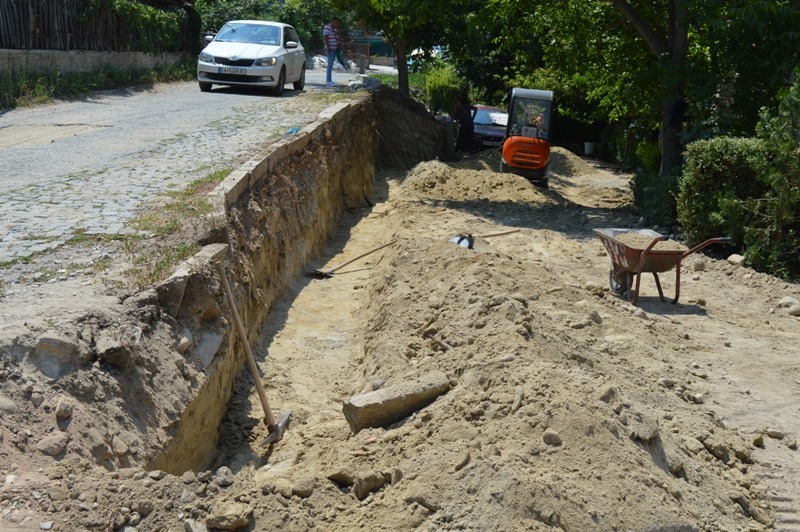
(86, 166)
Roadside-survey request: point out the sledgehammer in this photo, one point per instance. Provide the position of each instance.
(275, 428)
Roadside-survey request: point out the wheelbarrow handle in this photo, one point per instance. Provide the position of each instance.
(656, 240)
(708, 242)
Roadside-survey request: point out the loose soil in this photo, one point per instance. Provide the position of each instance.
(640, 241)
(568, 408)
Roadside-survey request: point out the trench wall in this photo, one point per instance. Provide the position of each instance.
(280, 208)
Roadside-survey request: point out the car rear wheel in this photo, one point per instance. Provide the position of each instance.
(300, 83)
(205, 87)
(278, 90)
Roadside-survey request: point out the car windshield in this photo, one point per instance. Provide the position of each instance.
(252, 33)
(489, 117)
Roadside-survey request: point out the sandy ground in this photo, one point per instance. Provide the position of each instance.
(656, 407)
(568, 407)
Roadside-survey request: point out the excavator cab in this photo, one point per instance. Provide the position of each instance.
(526, 147)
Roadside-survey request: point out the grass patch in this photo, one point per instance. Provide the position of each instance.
(327, 97)
(151, 265)
(81, 237)
(19, 87)
(166, 218)
(416, 80)
(170, 230)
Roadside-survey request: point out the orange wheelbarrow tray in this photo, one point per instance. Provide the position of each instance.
(628, 262)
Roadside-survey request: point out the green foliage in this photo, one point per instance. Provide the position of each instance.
(442, 87)
(308, 17)
(743, 53)
(407, 24)
(749, 189)
(654, 196)
(150, 29)
(26, 87)
(215, 13)
(649, 154)
(721, 177)
(416, 82)
(773, 232)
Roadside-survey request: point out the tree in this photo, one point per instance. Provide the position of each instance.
(193, 17)
(669, 44)
(407, 24)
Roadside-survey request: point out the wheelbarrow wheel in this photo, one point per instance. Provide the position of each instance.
(620, 283)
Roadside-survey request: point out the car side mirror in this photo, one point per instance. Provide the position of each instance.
(208, 38)
(291, 44)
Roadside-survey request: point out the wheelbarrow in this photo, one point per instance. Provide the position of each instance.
(629, 262)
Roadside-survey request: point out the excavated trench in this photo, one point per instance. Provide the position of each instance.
(280, 208)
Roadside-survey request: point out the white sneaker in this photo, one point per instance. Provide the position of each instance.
(331, 84)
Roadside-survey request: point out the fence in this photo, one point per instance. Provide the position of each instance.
(84, 25)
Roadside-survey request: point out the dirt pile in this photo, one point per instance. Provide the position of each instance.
(568, 406)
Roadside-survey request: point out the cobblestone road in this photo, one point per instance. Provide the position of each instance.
(86, 166)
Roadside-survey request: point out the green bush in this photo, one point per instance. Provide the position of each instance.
(443, 87)
(20, 87)
(720, 177)
(649, 155)
(773, 234)
(749, 189)
(654, 196)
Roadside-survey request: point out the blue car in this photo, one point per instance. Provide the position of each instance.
(490, 127)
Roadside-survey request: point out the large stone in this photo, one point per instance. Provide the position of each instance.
(56, 355)
(114, 346)
(366, 484)
(191, 525)
(387, 405)
(736, 259)
(53, 444)
(224, 476)
(207, 347)
(7, 406)
(170, 292)
(552, 437)
(63, 409)
(231, 516)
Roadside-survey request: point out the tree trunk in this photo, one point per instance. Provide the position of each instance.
(195, 26)
(671, 131)
(401, 49)
(671, 49)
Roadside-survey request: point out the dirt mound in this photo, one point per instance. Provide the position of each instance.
(567, 407)
(565, 163)
(453, 183)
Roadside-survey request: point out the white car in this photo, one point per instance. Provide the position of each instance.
(253, 53)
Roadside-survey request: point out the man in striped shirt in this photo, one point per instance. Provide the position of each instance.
(330, 38)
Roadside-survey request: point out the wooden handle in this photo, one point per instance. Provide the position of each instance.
(361, 256)
(251, 362)
(501, 233)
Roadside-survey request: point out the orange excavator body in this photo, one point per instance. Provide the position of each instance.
(526, 147)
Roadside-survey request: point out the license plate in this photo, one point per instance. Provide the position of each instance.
(232, 70)
(492, 143)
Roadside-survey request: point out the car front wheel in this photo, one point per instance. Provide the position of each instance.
(278, 91)
(300, 83)
(205, 87)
